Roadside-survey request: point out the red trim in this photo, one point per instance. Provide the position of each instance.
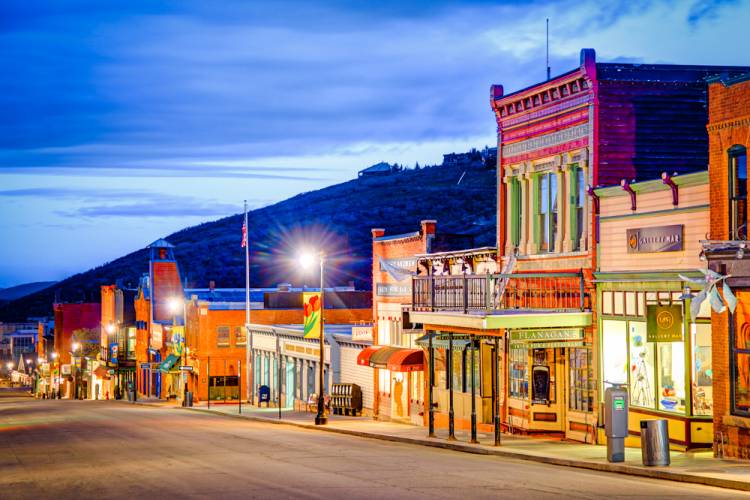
(407, 360)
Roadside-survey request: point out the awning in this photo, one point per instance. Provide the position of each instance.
(169, 363)
(406, 360)
(380, 358)
(363, 358)
(101, 372)
(438, 342)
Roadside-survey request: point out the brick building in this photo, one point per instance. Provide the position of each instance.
(70, 319)
(729, 139)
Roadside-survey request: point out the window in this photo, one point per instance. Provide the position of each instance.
(702, 370)
(737, 193)
(457, 370)
(417, 386)
(547, 211)
(519, 384)
(581, 376)
(740, 357)
(240, 335)
(222, 336)
(384, 381)
(641, 367)
(580, 199)
(671, 371)
(515, 211)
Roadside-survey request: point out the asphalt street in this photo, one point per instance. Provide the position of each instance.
(96, 449)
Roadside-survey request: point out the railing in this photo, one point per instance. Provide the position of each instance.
(522, 291)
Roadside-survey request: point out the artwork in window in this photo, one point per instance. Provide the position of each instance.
(702, 370)
(641, 367)
(519, 385)
(742, 382)
(671, 379)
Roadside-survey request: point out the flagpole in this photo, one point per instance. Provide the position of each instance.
(248, 334)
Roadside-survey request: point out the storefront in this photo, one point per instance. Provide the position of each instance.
(649, 340)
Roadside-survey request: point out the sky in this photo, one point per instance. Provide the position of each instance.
(123, 121)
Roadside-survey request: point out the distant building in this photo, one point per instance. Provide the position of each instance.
(381, 168)
(472, 158)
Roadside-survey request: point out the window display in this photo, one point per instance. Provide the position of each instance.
(671, 391)
(457, 370)
(702, 370)
(519, 385)
(641, 367)
(581, 376)
(614, 352)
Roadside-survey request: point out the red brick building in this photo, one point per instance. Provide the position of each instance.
(70, 318)
(729, 139)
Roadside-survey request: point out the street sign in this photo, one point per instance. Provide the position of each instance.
(186, 368)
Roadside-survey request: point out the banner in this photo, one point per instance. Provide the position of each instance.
(311, 305)
(177, 339)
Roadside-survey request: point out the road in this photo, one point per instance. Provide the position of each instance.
(95, 449)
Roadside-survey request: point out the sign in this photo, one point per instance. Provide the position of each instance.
(145, 366)
(186, 368)
(407, 264)
(157, 339)
(618, 403)
(298, 350)
(393, 289)
(113, 350)
(663, 323)
(65, 369)
(362, 333)
(311, 306)
(655, 239)
(549, 345)
(549, 334)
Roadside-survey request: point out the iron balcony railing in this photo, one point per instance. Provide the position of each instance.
(494, 292)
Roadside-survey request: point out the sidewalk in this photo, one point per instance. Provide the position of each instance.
(693, 467)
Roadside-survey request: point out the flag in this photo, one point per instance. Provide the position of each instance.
(312, 312)
(244, 234)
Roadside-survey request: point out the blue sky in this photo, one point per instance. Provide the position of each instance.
(122, 121)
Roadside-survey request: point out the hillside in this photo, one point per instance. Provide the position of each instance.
(337, 218)
(18, 291)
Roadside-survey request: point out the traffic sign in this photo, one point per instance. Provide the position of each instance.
(186, 368)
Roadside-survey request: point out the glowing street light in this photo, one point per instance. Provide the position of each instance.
(54, 355)
(9, 365)
(76, 346)
(306, 261)
(110, 328)
(175, 305)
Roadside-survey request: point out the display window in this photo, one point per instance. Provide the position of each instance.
(671, 376)
(384, 381)
(519, 383)
(580, 379)
(641, 367)
(740, 356)
(702, 375)
(457, 370)
(614, 352)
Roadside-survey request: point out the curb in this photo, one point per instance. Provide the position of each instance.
(651, 473)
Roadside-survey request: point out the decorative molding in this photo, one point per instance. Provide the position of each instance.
(742, 121)
(544, 141)
(524, 119)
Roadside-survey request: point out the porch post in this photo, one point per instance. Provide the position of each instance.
(449, 363)
(473, 395)
(496, 401)
(431, 417)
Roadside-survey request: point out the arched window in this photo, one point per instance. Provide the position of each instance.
(737, 192)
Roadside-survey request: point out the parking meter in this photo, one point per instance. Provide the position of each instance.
(616, 421)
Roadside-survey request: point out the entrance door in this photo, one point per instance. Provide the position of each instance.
(547, 390)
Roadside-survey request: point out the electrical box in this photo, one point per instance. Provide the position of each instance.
(616, 421)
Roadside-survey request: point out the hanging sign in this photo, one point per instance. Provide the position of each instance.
(311, 305)
(361, 333)
(655, 239)
(663, 323)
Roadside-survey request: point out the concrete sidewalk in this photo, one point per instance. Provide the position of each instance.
(692, 467)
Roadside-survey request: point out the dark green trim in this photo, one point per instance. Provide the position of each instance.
(694, 208)
(651, 186)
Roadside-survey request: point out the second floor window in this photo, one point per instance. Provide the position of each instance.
(516, 212)
(580, 199)
(222, 336)
(737, 193)
(547, 212)
(240, 335)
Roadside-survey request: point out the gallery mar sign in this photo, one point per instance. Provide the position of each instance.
(655, 239)
(663, 323)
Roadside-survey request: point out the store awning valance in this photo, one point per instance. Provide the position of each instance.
(101, 372)
(363, 358)
(379, 358)
(406, 360)
(441, 342)
(169, 363)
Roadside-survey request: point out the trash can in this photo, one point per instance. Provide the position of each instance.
(189, 398)
(655, 442)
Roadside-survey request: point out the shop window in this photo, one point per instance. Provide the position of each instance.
(547, 211)
(580, 200)
(222, 336)
(581, 376)
(702, 370)
(671, 379)
(457, 370)
(223, 388)
(384, 381)
(737, 193)
(240, 335)
(619, 299)
(641, 367)
(519, 383)
(740, 358)
(417, 386)
(607, 303)
(614, 352)
(641, 304)
(441, 368)
(630, 304)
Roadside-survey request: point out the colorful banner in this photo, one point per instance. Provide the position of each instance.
(177, 339)
(311, 305)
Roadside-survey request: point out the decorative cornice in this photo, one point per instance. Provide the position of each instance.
(544, 141)
(741, 121)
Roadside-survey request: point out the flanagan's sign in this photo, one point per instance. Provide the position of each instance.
(542, 335)
(655, 239)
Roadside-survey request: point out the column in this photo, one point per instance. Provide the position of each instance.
(587, 218)
(473, 393)
(431, 410)
(449, 374)
(561, 209)
(303, 367)
(496, 392)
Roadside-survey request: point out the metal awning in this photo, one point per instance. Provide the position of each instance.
(379, 358)
(363, 358)
(407, 360)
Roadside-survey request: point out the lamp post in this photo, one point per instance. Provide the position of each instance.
(306, 260)
(75, 346)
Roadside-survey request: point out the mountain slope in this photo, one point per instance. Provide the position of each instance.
(18, 291)
(337, 219)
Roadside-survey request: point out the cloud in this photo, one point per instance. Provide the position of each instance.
(706, 9)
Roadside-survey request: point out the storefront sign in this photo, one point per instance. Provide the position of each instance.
(544, 335)
(156, 337)
(406, 264)
(65, 369)
(664, 323)
(393, 289)
(655, 239)
(549, 345)
(362, 333)
(298, 349)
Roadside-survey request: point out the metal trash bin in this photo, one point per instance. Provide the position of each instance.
(655, 442)
(189, 399)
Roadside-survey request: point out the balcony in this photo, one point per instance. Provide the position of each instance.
(501, 293)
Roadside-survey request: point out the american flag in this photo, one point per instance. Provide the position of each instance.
(244, 234)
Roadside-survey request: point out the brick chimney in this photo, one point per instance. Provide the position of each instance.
(377, 232)
(429, 227)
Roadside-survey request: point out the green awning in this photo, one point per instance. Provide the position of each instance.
(441, 342)
(169, 363)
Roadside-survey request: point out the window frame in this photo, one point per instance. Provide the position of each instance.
(733, 357)
(733, 154)
(547, 231)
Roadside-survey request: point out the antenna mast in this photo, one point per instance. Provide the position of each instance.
(548, 68)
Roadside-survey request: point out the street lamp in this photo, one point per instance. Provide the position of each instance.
(307, 260)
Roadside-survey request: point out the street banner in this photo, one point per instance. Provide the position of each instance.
(313, 313)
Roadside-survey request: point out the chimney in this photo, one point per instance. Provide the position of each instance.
(429, 227)
(378, 232)
(211, 285)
